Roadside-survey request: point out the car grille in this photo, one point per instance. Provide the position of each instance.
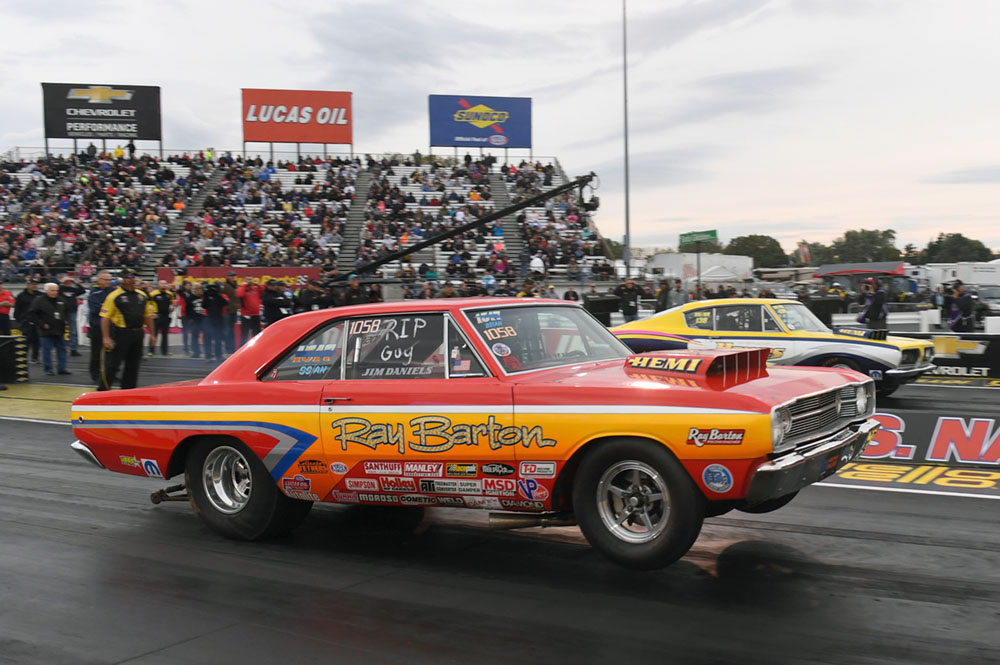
(816, 414)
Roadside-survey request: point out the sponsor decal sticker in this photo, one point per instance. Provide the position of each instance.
(312, 467)
(449, 501)
(151, 468)
(379, 498)
(461, 469)
(423, 469)
(384, 468)
(501, 350)
(499, 486)
(398, 484)
(522, 504)
(345, 497)
(498, 469)
(538, 469)
(665, 363)
(432, 434)
(532, 490)
(339, 468)
(129, 460)
(296, 483)
(429, 486)
(717, 478)
(417, 500)
(876, 374)
(362, 484)
(483, 502)
(715, 437)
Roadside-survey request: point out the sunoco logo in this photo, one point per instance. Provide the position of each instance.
(480, 116)
(715, 437)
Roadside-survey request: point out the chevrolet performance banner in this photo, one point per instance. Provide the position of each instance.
(480, 122)
(92, 111)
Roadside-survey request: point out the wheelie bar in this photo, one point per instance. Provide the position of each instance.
(166, 494)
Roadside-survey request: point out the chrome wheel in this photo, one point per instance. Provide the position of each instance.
(633, 501)
(227, 480)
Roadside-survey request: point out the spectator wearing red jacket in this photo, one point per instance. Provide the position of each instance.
(6, 303)
(249, 295)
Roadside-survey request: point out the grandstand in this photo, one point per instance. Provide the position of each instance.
(71, 215)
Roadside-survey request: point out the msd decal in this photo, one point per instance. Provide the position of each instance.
(499, 486)
(715, 437)
(532, 490)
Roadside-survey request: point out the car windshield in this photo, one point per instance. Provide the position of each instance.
(530, 337)
(798, 318)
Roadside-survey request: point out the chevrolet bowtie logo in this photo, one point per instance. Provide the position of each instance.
(100, 94)
(951, 347)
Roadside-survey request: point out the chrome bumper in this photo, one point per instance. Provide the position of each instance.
(910, 373)
(86, 453)
(793, 471)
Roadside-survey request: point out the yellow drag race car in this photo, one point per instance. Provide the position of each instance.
(792, 332)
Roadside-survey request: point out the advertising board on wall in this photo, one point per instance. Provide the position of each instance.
(297, 116)
(480, 122)
(290, 276)
(97, 111)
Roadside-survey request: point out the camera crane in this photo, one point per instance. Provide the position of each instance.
(578, 182)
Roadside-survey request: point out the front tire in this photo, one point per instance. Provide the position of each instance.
(770, 505)
(843, 363)
(232, 492)
(636, 504)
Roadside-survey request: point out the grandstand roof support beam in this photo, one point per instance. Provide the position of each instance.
(578, 182)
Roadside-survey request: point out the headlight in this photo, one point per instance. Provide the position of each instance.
(929, 354)
(781, 423)
(861, 400)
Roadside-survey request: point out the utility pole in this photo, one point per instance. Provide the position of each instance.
(626, 251)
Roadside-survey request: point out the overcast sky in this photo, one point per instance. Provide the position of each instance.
(798, 119)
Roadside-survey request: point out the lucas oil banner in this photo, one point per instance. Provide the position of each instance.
(297, 116)
(480, 122)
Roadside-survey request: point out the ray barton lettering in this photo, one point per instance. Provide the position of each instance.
(435, 434)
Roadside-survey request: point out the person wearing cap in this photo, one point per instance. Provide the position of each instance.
(354, 294)
(875, 304)
(7, 302)
(70, 290)
(229, 287)
(95, 300)
(49, 312)
(277, 303)
(162, 299)
(528, 290)
(309, 298)
(123, 314)
(629, 294)
(249, 295)
(26, 319)
(961, 317)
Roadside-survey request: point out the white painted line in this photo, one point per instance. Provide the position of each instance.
(37, 420)
(907, 491)
(946, 387)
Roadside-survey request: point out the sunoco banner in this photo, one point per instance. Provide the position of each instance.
(480, 122)
(95, 111)
(297, 116)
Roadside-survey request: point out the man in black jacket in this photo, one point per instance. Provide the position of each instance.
(215, 304)
(629, 294)
(49, 312)
(277, 304)
(26, 319)
(70, 290)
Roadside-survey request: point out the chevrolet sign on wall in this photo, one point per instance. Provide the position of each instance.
(98, 111)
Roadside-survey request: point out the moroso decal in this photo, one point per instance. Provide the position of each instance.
(435, 434)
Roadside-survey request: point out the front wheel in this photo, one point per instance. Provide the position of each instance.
(232, 492)
(636, 504)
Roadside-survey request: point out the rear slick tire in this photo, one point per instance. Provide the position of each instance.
(636, 504)
(233, 493)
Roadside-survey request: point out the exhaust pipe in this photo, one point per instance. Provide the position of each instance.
(499, 521)
(86, 453)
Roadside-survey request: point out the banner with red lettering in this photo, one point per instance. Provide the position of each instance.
(297, 116)
(919, 437)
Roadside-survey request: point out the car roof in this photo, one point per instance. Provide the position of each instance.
(740, 301)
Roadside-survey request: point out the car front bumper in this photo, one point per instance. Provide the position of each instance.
(909, 374)
(805, 466)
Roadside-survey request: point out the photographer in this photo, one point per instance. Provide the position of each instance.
(310, 297)
(215, 304)
(875, 304)
(277, 302)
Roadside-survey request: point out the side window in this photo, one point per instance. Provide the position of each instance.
(770, 325)
(316, 358)
(738, 318)
(396, 347)
(462, 360)
(699, 319)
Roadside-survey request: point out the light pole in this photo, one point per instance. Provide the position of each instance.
(626, 251)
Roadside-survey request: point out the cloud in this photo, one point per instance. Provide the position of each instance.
(657, 169)
(976, 175)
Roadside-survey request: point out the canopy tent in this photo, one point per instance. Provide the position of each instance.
(872, 268)
(717, 274)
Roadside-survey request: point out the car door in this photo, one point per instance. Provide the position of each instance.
(415, 417)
